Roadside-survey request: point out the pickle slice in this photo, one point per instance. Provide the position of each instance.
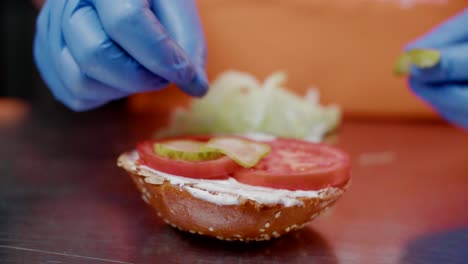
(422, 58)
(244, 152)
(189, 150)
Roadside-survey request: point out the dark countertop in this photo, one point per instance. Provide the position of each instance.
(63, 200)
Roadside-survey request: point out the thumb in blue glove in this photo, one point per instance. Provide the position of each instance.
(438, 67)
(90, 52)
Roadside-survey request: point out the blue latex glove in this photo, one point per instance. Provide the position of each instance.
(90, 52)
(445, 85)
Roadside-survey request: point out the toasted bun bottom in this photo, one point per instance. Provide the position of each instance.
(247, 221)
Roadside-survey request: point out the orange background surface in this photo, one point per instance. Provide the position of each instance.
(346, 48)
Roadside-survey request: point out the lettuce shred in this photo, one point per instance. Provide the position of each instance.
(238, 103)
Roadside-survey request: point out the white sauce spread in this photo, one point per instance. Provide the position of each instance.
(259, 136)
(226, 191)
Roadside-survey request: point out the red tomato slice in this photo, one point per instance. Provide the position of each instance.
(298, 165)
(208, 169)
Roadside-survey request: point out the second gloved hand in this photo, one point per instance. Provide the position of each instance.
(90, 52)
(441, 79)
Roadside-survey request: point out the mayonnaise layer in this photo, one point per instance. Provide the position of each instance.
(227, 191)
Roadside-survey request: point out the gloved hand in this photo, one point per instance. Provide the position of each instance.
(90, 52)
(443, 83)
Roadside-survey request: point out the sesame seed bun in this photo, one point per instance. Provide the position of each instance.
(248, 220)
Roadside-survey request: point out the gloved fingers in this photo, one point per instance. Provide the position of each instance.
(452, 67)
(449, 100)
(98, 56)
(43, 60)
(135, 28)
(181, 21)
(76, 88)
(198, 86)
(54, 37)
(452, 31)
(42, 22)
(82, 86)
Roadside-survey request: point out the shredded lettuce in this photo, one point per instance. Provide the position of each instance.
(238, 104)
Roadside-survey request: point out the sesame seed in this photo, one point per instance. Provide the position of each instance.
(275, 234)
(200, 233)
(220, 237)
(145, 199)
(293, 226)
(174, 226)
(191, 231)
(154, 180)
(167, 221)
(278, 214)
(288, 229)
(267, 225)
(237, 235)
(211, 229)
(241, 239)
(148, 195)
(262, 229)
(143, 189)
(140, 180)
(159, 214)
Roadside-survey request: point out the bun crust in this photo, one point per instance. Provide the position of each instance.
(247, 221)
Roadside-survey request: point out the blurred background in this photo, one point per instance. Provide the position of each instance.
(21, 86)
(19, 77)
(345, 48)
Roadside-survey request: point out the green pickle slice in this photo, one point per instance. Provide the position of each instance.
(244, 152)
(189, 150)
(422, 58)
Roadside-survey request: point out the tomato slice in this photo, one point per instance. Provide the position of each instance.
(298, 165)
(218, 168)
